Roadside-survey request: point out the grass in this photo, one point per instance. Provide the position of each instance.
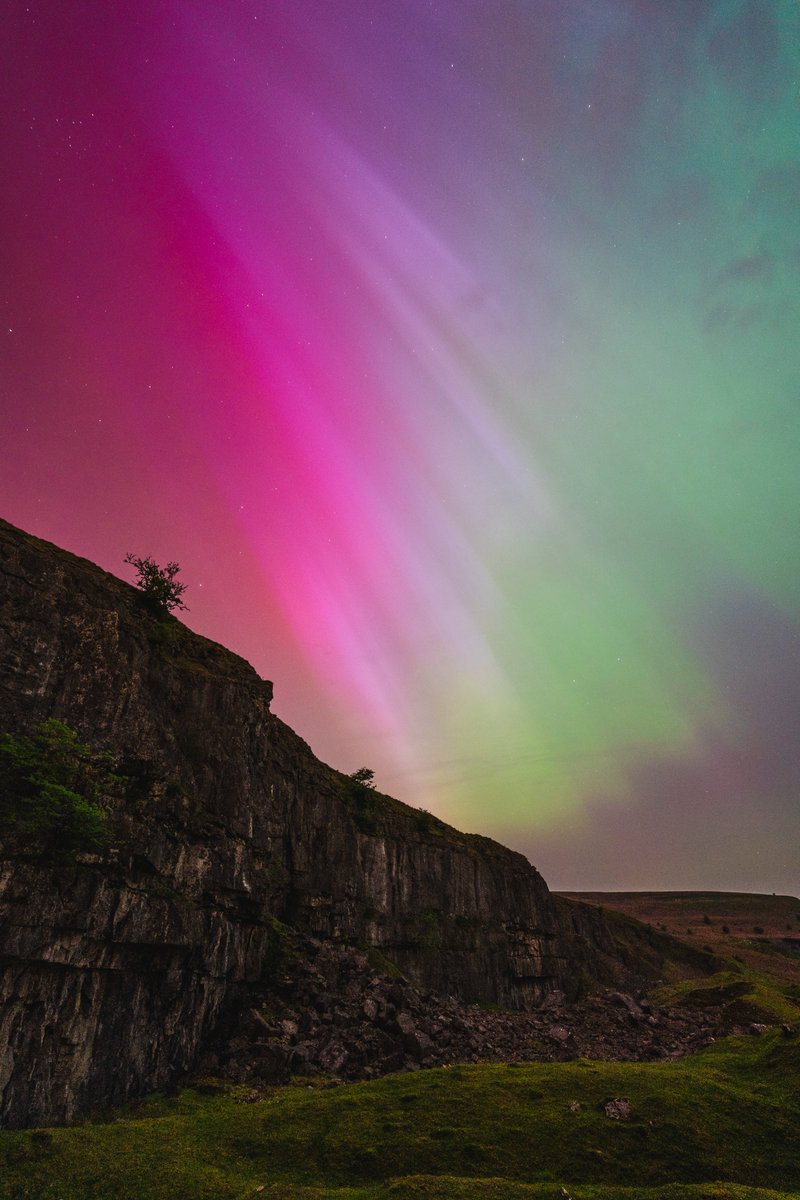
(721, 917)
(432, 1187)
(729, 1114)
(748, 995)
(760, 979)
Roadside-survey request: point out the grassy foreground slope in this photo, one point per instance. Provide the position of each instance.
(730, 1114)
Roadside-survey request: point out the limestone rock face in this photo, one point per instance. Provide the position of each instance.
(117, 968)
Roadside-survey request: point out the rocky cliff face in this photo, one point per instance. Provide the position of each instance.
(117, 968)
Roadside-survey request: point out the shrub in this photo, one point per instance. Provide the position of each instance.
(364, 775)
(361, 791)
(426, 821)
(160, 587)
(51, 786)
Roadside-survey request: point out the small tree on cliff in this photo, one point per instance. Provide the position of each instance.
(364, 775)
(159, 584)
(361, 789)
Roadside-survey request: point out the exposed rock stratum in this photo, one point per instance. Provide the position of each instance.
(120, 968)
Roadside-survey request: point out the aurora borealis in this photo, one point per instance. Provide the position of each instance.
(451, 347)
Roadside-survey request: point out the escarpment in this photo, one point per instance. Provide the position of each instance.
(118, 965)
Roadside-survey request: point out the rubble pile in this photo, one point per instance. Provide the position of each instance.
(330, 1012)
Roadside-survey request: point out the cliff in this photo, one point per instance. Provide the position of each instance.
(118, 966)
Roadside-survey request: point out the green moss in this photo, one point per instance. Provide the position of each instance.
(51, 791)
(163, 632)
(383, 965)
(280, 950)
(744, 993)
(191, 664)
(426, 931)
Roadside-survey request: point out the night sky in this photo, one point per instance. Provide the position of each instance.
(451, 347)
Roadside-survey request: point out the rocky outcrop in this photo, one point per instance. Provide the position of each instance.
(117, 967)
(332, 1009)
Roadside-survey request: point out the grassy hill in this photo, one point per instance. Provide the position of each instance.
(718, 1126)
(721, 1125)
(760, 933)
(719, 917)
